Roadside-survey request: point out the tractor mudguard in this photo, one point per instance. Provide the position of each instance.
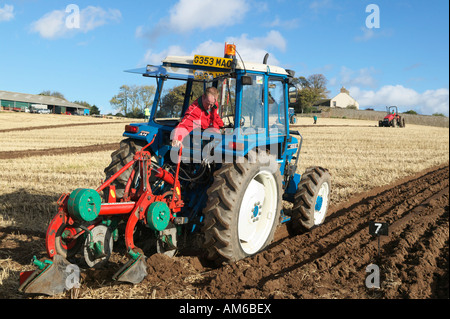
(292, 187)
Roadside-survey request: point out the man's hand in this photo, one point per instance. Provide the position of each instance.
(176, 143)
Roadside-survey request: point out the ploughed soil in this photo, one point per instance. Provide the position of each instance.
(335, 260)
(59, 151)
(46, 127)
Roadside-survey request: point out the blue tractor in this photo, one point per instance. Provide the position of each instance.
(233, 184)
(221, 193)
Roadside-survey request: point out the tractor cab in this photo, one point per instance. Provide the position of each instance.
(253, 104)
(392, 112)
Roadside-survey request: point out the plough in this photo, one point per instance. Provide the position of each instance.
(84, 222)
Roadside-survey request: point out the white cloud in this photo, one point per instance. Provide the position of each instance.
(209, 48)
(155, 58)
(51, 25)
(140, 32)
(6, 13)
(254, 49)
(250, 49)
(188, 15)
(363, 77)
(366, 36)
(288, 24)
(54, 24)
(429, 102)
(94, 17)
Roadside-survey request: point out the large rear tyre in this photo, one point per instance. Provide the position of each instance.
(243, 208)
(119, 159)
(311, 201)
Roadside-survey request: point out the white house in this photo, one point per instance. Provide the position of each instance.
(342, 100)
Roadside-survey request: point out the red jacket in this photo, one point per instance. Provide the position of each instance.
(195, 117)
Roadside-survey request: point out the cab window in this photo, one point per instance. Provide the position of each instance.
(276, 106)
(252, 107)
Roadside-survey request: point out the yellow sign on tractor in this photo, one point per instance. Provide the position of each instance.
(212, 61)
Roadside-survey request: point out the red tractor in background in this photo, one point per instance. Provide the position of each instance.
(392, 119)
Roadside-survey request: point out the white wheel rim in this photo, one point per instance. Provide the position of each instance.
(257, 212)
(319, 214)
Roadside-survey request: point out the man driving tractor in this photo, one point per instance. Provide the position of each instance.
(202, 113)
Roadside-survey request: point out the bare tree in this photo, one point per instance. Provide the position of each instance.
(132, 100)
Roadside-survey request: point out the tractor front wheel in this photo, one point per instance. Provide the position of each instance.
(243, 208)
(311, 200)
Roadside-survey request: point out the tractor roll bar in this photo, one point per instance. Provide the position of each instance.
(299, 146)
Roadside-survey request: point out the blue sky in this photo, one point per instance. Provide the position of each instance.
(403, 61)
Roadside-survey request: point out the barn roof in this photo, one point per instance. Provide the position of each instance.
(37, 99)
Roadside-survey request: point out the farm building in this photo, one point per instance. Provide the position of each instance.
(342, 100)
(23, 102)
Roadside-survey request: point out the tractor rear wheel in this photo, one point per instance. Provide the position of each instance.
(243, 208)
(119, 159)
(311, 200)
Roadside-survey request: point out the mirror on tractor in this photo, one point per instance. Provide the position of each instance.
(247, 80)
(293, 94)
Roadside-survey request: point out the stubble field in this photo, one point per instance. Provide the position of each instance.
(394, 175)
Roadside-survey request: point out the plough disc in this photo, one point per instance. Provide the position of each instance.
(98, 246)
